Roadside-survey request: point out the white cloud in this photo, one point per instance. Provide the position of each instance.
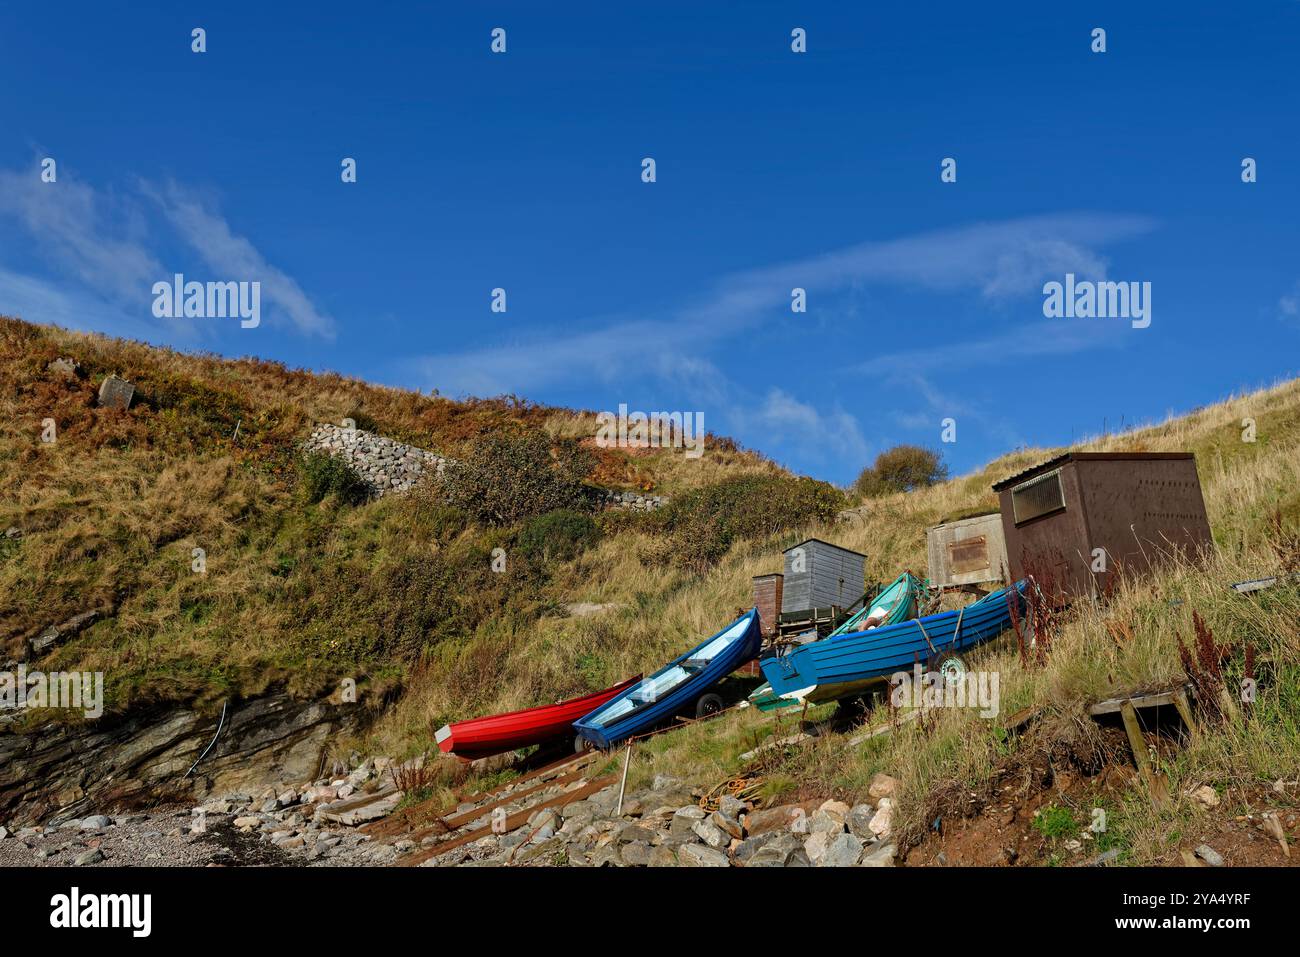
(997, 260)
(233, 257)
(822, 436)
(104, 245)
(38, 300)
(96, 238)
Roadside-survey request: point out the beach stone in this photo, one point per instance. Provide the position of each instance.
(746, 849)
(859, 821)
(1209, 855)
(815, 846)
(697, 855)
(630, 833)
(685, 819)
(823, 823)
(843, 850)
(93, 856)
(883, 786)
(775, 848)
(783, 817)
(710, 834)
(881, 855)
(1205, 796)
(662, 856)
(728, 824)
(881, 823)
(95, 822)
(732, 806)
(605, 857)
(836, 810)
(636, 855)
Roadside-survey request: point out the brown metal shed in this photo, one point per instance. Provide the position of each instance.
(1139, 507)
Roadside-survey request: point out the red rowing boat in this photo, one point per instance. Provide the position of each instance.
(481, 737)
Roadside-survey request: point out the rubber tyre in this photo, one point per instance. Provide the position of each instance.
(707, 705)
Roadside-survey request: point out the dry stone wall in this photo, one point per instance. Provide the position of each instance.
(389, 466)
(386, 466)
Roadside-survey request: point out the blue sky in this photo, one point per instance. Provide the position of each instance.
(774, 169)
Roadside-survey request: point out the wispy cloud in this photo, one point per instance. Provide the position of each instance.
(106, 250)
(96, 239)
(229, 255)
(800, 427)
(996, 260)
(1289, 305)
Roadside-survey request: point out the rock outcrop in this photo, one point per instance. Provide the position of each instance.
(57, 772)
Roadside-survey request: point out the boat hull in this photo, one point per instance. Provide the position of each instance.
(498, 733)
(898, 603)
(605, 734)
(853, 663)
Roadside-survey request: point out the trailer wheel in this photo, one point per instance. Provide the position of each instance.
(707, 705)
(580, 744)
(952, 669)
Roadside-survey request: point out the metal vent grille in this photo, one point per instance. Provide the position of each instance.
(1038, 496)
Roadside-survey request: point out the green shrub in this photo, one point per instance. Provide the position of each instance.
(901, 469)
(703, 523)
(324, 475)
(557, 535)
(511, 475)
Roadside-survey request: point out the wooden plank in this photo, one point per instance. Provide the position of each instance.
(1021, 718)
(883, 729)
(516, 820)
(1111, 705)
(1155, 781)
(1185, 711)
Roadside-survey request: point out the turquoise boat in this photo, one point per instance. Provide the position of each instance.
(896, 602)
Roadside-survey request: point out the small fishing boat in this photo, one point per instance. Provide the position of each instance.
(682, 685)
(896, 602)
(845, 665)
(495, 734)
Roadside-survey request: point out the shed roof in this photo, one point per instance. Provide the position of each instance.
(827, 544)
(1088, 457)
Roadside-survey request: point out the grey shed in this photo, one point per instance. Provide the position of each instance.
(819, 575)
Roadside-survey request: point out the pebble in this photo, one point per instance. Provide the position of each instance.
(1209, 855)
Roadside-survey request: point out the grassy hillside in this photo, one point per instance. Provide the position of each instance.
(296, 592)
(400, 592)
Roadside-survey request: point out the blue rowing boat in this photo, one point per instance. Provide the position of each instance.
(896, 602)
(679, 686)
(846, 665)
